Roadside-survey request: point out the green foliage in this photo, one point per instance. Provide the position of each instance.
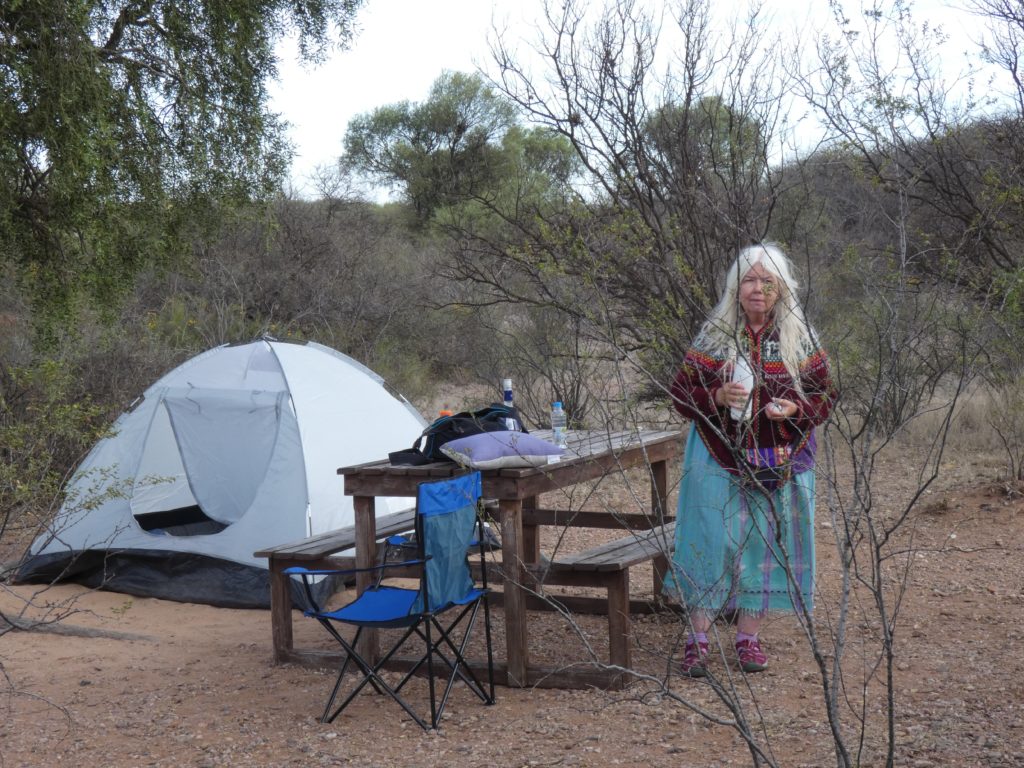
(192, 323)
(462, 143)
(549, 359)
(1005, 329)
(597, 266)
(1009, 286)
(410, 369)
(126, 128)
(348, 274)
(669, 179)
(121, 610)
(709, 138)
(46, 425)
(899, 344)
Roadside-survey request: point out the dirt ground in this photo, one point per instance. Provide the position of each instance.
(174, 684)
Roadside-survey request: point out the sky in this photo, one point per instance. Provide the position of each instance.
(402, 46)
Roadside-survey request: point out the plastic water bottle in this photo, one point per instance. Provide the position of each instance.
(558, 422)
(506, 398)
(742, 374)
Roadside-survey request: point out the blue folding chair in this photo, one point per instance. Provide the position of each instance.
(441, 612)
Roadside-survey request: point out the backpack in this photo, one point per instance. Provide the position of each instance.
(427, 447)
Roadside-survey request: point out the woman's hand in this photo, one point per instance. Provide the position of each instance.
(731, 395)
(780, 409)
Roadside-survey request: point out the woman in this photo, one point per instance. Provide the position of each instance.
(755, 383)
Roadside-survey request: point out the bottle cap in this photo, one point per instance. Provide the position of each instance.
(556, 404)
(445, 412)
(506, 383)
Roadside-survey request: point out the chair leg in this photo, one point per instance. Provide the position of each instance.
(341, 672)
(445, 643)
(372, 675)
(434, 714)
(334, 691)
(459, 668)
(456, 665)
(337, 636)
(490, 651)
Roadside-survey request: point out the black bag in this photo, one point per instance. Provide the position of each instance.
(769, 467)
(427, 448)
(770, 478)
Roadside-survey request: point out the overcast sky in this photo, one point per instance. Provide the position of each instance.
(401, 48)
(403, 45)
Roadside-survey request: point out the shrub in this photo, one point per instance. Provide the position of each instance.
(46, 425)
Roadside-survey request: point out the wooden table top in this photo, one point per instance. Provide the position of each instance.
(589, 454)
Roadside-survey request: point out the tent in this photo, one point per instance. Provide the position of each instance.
(233, 451)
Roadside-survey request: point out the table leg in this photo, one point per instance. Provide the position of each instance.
(659, 501)
(510, 512)
(366, 557)
(280, 611)
(531, 535)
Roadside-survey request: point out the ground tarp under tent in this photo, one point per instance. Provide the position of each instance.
(234, 451)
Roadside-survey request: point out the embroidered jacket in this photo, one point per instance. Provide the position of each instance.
(694, 388)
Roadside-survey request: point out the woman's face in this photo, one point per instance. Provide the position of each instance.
(759, 290)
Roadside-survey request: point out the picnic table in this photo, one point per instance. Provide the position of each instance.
(590, 455)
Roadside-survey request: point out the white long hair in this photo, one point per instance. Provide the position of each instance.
(720, 334)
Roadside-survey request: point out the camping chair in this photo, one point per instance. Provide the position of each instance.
(446, 519)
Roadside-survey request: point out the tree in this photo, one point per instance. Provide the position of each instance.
(125, 125)
(462, 143)
(671, 179)
(473, 174)
(710, 139)
(947, 163)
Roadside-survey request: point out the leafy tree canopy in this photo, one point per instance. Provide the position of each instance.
(462, 143)
(710, 138)
(123, 123)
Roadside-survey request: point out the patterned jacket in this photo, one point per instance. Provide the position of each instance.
(694, 388)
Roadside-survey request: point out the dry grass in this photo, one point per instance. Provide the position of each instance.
(975, 418)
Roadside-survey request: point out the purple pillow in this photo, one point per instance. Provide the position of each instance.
(494, 450)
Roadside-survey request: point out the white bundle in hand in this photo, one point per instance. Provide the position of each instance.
(741, 374)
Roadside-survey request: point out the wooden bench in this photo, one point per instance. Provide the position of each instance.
(604, 567)
(319, 551)
(607, 567)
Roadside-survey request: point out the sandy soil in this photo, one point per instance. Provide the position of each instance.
(191, 685)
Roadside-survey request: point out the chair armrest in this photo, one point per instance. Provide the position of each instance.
(298, 570)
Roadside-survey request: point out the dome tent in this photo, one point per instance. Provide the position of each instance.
(233, 451)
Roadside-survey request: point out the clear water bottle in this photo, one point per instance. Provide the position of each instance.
(506, 398)
(742, 374)
(558, 423)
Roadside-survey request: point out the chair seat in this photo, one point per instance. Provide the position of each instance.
(389, 606)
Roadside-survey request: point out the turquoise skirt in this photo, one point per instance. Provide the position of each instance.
(740, 549)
